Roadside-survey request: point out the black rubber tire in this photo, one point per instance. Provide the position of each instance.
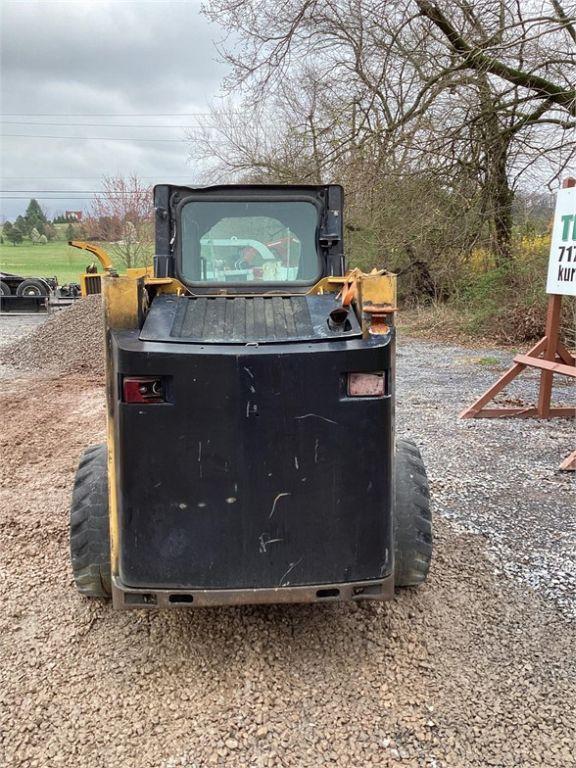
(32, 287)
(5, 289)
(412, 517)
(89, 524)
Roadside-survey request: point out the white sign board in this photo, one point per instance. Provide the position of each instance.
(562, 264)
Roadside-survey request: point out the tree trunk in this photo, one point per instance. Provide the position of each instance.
(499, 196)
(502, 198)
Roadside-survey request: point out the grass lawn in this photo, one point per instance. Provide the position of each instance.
(53, 259)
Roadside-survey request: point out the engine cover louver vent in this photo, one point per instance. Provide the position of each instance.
(243, 319)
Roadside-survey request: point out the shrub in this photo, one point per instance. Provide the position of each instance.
(14, 235)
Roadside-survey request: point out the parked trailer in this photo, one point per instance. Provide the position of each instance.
(34, 294)
(16, 285)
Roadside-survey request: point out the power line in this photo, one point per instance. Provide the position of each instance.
(119, 114)
(43, 197)
(91, 138)
(47, 197)
(97, 125)
(64, 195)
(77, 178)
(122, 2)
(68, 192)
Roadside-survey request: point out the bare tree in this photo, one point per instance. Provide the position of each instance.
(122, 215)
(481, 93)
(524, 72)
(517, 33)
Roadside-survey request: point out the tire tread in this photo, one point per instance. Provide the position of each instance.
(89, 525)
(412, 517)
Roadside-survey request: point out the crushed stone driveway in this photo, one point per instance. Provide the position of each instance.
(474, 669)
(496, 477)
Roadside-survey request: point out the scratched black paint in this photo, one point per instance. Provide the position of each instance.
(259, 472)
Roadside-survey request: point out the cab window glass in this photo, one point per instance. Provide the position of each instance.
(252, 242)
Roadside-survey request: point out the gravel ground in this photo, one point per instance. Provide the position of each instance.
(16, 326)
(498, 478)
(474, 669)
(70, 340)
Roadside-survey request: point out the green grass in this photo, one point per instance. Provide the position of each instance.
(53, 259)
(489, 360)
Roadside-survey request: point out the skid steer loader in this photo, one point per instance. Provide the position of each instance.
(250, 454)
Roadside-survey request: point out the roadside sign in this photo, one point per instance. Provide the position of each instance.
(562, 263)
(549, 355)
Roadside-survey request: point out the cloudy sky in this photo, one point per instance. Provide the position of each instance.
(77, 68)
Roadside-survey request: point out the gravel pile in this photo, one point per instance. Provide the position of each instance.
(475, 669)
(70, 340)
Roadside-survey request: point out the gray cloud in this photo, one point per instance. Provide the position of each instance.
(96, 57)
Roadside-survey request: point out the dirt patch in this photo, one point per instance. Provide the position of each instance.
(472, 670)
(71, 340)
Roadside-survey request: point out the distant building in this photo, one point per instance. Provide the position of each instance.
(73, 215)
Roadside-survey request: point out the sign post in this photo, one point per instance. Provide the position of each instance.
(549, 355)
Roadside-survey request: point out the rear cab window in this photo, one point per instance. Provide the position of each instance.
(255, 241)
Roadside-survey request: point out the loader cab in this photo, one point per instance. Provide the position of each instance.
(249, 239)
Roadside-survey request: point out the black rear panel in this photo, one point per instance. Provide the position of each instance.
(259, 472)
(245, 319)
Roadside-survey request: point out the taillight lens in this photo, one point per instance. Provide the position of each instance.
(143, 389)
(366, 385)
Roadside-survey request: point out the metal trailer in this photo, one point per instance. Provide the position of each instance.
(25, 294)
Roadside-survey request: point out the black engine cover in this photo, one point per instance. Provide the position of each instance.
(245, 319)
(259, 471)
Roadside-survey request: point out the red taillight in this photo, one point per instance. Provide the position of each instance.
(142, 389)
(366, 385)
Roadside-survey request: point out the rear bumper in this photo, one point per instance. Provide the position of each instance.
(126, 597)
